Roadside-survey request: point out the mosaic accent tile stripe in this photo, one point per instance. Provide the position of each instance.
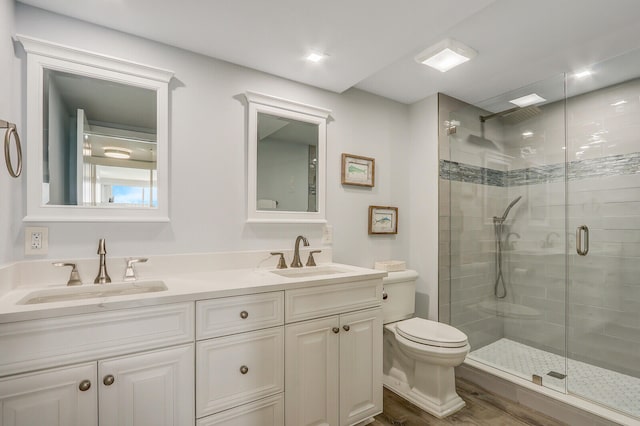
(612, 165)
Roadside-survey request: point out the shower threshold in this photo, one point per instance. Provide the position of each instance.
(618, 391)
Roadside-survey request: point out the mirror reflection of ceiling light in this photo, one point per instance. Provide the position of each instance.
(621, 102)
(445, 55)
(527, 134)
(582, 74)
(315, 57)
(527, 100)
(115, 152)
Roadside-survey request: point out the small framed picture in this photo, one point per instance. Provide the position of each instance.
(357, 170)
(383, 220)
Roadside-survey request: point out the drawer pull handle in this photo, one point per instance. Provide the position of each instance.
(85, 385)
(335, 330)
(244, 314)
(244, 369)
(108, 380)
(346, 328)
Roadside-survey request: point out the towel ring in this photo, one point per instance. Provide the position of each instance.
(11, 130)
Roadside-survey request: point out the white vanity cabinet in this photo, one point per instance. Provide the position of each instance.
(154, 387)
(240, 360)
(59, 397)
(333, 373)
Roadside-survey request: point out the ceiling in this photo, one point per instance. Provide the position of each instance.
(371, 43)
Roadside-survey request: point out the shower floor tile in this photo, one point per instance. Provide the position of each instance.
(616, 390)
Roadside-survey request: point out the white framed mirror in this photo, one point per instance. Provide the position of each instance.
(97, 137)
(286, 160)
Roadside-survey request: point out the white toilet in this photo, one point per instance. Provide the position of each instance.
(419, 355)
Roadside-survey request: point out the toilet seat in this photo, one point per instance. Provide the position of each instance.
(431, 333)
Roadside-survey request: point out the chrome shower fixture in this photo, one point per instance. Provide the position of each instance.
(498, 225)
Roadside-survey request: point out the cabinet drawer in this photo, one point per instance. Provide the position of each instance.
(313, 302)
(221, 380)
(230, 315)
(44, 343)
(265, 412)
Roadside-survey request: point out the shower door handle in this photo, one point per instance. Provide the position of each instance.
(580, 249)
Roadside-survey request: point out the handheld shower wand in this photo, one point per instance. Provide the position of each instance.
(498, 223)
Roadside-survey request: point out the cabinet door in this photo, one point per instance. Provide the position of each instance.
(51, 398)
(360, 365)
(148, 389)
(311, 373)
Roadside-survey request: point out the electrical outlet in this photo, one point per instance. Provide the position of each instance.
(36, 241)
(327, 234)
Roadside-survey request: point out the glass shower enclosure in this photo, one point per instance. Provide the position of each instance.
(540, 231)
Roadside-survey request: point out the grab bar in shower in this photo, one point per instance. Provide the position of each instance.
(11, 130)
(582, 229)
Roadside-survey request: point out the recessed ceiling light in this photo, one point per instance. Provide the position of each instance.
(315, 57)
(527, 100)
(446, 55)
(622, 102)
(115, 152)
(582, 74)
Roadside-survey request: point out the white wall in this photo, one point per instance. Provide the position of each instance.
(208, 158)
(10, 189)
(423, 186)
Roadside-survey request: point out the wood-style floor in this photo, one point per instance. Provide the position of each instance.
(482, 408)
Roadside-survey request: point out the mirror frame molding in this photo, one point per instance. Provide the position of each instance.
(42, 55)
(267, 104)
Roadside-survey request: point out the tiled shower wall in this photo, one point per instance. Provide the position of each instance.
(603, 192)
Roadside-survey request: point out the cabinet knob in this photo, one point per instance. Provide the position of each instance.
(346, 328)
(244, 369)
(335, 330)
(85, 385)
(385, 296)
(244, 314)
(108, 380)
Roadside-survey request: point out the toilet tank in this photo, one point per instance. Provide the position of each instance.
(400, 292)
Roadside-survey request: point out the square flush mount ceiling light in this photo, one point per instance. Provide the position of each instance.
(445, 55)
(528, 100)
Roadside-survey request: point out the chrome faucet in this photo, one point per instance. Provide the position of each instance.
(103, 276)
(296, 254)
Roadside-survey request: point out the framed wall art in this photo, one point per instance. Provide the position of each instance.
(358, 170)
(383, 220)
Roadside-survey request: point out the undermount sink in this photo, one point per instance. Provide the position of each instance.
(90, 291)
(309, 271)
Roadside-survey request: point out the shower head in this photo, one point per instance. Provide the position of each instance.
(506, 212)
(513, 115)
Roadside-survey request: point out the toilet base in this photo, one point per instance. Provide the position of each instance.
(444, 403)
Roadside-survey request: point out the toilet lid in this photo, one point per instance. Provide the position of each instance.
(431, 333)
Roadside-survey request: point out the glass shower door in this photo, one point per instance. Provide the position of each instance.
(506, 171)
(603, 201)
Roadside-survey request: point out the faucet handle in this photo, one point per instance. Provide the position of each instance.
(129, 272)
(74, 278)
(311, 261)
(282, 264)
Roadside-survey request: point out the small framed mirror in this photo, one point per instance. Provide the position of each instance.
(97, 137)
(287, 160)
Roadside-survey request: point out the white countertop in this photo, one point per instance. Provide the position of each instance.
(181, 287)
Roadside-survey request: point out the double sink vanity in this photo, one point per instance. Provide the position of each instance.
(193, 341)
(201, 339)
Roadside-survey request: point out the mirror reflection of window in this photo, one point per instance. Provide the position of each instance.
(287, 164)
(99, 142)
